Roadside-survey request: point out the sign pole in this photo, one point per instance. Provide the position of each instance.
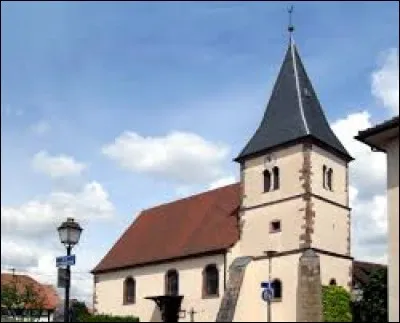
(67, 287)
(269, 299)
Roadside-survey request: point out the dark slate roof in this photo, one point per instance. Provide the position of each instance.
(386, 125)
(293, 112)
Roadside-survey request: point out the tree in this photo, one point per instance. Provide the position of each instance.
(373, 304)
(336, 303)
(79, 310)
(21, 302)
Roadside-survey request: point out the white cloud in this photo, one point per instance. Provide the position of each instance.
(37, 218)
(367, 190)
(369, 228)
(57, 166)
(182, 157)
(39, 263)
(29, 239)
(40, 127)
(385, 81)
(368, 170)
(223, 182)
(14, 255)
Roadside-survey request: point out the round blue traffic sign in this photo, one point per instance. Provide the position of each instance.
(267, 294)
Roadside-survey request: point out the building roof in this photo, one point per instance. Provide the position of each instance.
(362, 271)
(293, 113)
(48, 292)
(199, 224)
(388, 124)
(374, 135)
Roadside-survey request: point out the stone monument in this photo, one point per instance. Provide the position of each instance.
(309, 288)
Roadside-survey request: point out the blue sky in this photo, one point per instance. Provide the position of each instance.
(89, 71)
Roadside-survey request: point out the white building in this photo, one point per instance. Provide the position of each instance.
(385, 137)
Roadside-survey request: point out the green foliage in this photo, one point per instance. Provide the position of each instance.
(336, 303)
(24, 302)
(9, 296)
(373, 305)
(107, 318)
(79, 309)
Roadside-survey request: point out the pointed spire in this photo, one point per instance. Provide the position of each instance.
(293, 112)
(295, 71)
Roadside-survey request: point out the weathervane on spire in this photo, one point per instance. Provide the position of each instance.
(291, 27)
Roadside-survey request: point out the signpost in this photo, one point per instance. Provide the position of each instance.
(64, 261)
(62, 278)
(268, 292)
(267, 295)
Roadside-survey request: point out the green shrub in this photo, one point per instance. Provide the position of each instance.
(336, 303)
(107, 318)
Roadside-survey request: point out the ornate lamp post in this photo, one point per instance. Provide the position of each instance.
(70, 232)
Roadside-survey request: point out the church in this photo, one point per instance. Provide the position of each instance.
(216, 247)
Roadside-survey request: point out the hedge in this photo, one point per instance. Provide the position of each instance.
(107, 318)
(336, 304)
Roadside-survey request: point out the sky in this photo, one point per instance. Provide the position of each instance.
(108, 108)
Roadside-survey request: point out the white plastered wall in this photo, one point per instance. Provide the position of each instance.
(150, 282)
(252, 308)
(393, 227)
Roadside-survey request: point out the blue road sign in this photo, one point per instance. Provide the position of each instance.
(65, 261)
(265, 284)
(267, 294)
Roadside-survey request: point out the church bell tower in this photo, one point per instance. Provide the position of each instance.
(294, 173)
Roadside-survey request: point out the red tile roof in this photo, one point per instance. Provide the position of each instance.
(48, 292)
(203, 223)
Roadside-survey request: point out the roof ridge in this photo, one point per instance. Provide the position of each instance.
(189, 197)
(297, 81)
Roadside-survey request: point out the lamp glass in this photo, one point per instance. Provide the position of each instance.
(74, 235)
(69, 232)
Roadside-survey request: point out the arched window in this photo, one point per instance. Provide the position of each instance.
(129, 291)
(330, 178)
(277, 287)
(267, 180)
(324, 176)
(332, 282)
(172, 283)
(210, 281)
(275, 171)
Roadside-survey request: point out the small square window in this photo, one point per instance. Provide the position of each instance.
(275, 226)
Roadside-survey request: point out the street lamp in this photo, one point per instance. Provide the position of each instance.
(69, 232)
(270, 254)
